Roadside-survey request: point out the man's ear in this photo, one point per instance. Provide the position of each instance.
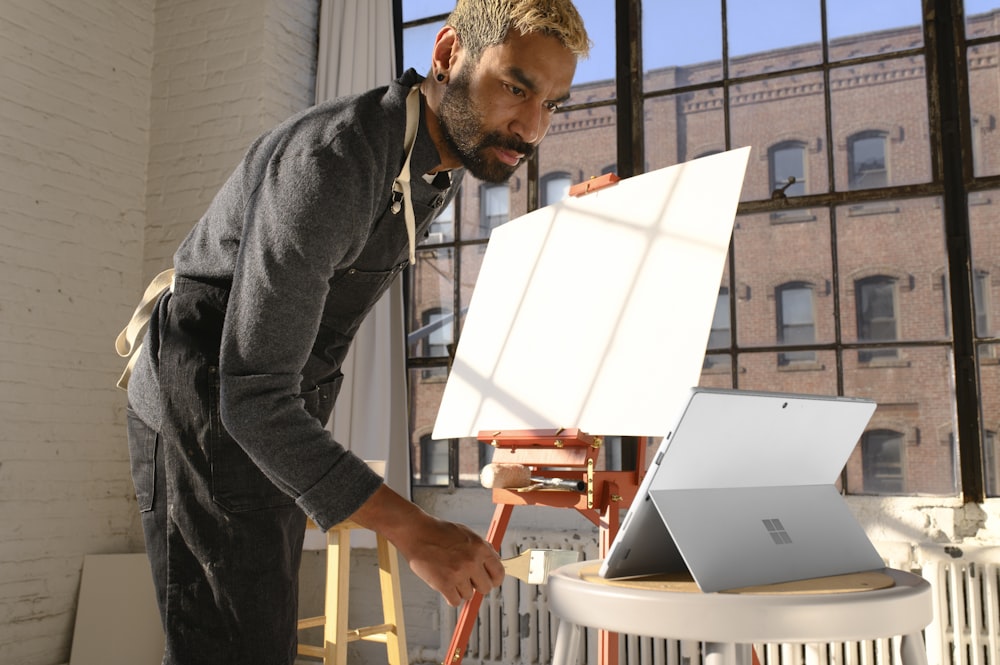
(446, 50)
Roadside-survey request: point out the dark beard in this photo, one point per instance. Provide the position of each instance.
(462, 128)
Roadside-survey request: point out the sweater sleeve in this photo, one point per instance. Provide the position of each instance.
(308, 214)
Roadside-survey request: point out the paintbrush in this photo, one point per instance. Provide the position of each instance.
(534, 566)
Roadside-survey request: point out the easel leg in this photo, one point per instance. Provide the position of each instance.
(467, 616)
(607, 642)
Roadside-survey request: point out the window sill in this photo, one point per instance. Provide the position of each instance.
(801, 367)
(792, 217)
(883, 363)
(866, 209)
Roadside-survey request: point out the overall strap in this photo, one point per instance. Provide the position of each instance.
(401, 185)
(140, 317)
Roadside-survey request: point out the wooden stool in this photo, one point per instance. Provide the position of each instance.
(834, 609)
(336, 634)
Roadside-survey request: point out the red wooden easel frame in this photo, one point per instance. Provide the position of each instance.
(562, 453)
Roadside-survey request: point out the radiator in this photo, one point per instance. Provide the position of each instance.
(514, 625)
(966, 625)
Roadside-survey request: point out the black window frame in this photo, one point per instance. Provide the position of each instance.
(954, 178)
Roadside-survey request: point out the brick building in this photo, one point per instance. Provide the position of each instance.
(857, 288)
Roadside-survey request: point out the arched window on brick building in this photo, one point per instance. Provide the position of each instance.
(720, 336)
(877, 316)
(796, 322)
(495, 207)
(866, 153)
(882, 461)
(434, 457)
(555, 187)
(991, 463)
(437, 335)
(787, 160)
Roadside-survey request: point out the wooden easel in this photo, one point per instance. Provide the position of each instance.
(561, 453)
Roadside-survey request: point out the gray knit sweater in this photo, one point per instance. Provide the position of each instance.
(303, 237)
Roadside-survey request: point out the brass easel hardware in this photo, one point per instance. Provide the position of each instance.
(598, 442)
(558, 443)
(590, 483)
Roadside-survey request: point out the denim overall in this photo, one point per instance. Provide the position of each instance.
(224, 542)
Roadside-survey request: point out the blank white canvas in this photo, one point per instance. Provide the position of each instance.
(594, 313)
(117, 621)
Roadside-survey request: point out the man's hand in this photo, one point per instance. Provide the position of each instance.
(451, 558)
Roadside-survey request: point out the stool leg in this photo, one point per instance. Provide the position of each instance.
(912, 650)
(567, 647)
(338, 571)
(392, 602)
(726, 653)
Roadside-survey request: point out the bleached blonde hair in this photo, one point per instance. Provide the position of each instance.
(483, 23)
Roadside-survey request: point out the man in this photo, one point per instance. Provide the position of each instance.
(241, 363)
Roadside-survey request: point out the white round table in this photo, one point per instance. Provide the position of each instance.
(728, 623)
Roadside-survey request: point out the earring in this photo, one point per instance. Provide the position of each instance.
(440, 77)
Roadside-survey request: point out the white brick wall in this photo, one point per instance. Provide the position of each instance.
(224, 72)
(118, 121)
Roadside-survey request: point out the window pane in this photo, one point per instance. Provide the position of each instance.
(759, 371)
(916, 398)
(496, 207)
(984, 98)
(877, 314)
(555, 188)
(805, 258)
(982, 18)
(757, 31)
(782, 111)
(858, 28)
(472, 261)
(881, 462)
(599, 19)
(681, 42)
(991, 463)
(417, 44)
(885, 99)
(580, 143)
(473, 455)
(902, 242)
(426, 453)
(989, 385)
(984, 221)
(716, 372)
(431, 290)
(679, 128)
(433, 463)
(788, 171)
(795, 323)
(442, 229)
(417, 9)
(720, 336)
(866, 160)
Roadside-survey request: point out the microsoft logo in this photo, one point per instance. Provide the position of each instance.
(777, 531)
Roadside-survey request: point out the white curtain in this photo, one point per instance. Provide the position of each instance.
(357, 53)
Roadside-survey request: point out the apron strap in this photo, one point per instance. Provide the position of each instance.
(401, 185)
(140, 317)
